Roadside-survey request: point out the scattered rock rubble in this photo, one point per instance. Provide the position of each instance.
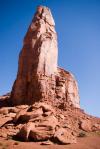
(43, 123)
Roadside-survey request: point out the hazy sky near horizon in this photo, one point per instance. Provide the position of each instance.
(78, 29)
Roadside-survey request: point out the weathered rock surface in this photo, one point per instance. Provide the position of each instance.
(96, 127)
(4, 111)
(41, 133)
(64, 136)
(25, 130)
(5, 120)
(48, 142)
(39, 78)
(45, 128)
(86, 125)
(40, 128)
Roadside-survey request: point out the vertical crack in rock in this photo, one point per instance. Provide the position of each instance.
(38, 77)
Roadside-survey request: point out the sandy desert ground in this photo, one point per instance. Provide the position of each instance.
(89, 142)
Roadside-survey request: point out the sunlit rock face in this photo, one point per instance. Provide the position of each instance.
(38, 77)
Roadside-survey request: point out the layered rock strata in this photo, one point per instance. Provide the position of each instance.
(38, 77)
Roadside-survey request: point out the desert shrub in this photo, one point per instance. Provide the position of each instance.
(98, 133)
(82, 134)
(16, 143)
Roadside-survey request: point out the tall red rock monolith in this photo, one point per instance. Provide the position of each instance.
(39, 77)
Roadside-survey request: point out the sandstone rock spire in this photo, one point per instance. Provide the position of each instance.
(38, 57)
(38, 76)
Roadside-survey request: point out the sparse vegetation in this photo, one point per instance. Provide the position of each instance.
(82, 134)
(9, 137)
(98, 133)
(16, 143)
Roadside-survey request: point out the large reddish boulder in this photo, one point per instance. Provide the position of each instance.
(23, 134)
(86, 125)
(64, 136)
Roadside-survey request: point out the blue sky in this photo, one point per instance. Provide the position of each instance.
(78, 29)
